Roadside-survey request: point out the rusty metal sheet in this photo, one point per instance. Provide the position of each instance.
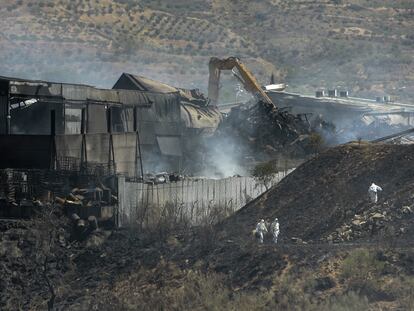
(170, 145)
(29, 88)
(200, 117)
(135, 82)
(134, 98)
(103, 95)
(96, 116)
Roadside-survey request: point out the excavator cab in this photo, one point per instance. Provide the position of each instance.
(244, 75)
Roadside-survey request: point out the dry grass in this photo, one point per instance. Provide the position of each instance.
(197, 291)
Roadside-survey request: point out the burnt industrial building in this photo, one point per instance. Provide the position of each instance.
(140, 126)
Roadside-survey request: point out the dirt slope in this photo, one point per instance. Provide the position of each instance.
(326, 198)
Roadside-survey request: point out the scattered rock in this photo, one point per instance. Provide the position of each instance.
(93, 222)
(97, 238)
(358, 222)
(10, 249)
(377, 216)
(297, 240)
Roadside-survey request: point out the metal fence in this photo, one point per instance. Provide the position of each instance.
(191, 199)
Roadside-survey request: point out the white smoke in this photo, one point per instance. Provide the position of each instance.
(225, 158)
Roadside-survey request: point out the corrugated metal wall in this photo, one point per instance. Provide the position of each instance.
(98, 150)
(192, 199)
(158, 122)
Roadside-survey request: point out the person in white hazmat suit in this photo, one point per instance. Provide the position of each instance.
(261, 230)
(373, 192)
(274, 227)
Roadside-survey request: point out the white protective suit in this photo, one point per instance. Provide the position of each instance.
(274, 227)
(261, 230)
(373, 192)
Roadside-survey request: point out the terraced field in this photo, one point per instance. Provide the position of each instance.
(365, 46)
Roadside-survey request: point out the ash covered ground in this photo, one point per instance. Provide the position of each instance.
(337, 250)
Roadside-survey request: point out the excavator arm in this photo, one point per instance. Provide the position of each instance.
(249, 82)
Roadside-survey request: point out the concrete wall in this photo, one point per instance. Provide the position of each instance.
(191, 199)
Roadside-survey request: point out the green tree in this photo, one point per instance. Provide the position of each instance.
(263, 173)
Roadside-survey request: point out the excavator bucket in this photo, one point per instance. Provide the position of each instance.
(249, 82)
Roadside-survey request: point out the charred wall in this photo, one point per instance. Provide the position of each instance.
(124, 128)
(25, 151)
(4, 92)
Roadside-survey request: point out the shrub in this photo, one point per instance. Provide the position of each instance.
(263, 173)
(290, 294)
(363, 264)
(316, 142)
(348, 302)
(363, 271)
(197, 292)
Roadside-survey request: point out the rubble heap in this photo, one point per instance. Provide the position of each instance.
(375, 219)
(325, 199)
(267, 132)
(370, 128)
(94, 201)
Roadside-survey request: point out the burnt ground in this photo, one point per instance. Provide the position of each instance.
(126, 272)
(192, 269)
(325, 195)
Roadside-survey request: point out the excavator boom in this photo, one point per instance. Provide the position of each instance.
(250, 83)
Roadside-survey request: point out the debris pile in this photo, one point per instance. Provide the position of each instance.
(268, 132)
(98, 202)
(375, 220)
(19, 191)
(371, 128)
(162, 178)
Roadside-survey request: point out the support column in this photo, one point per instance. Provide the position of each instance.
(84, 153)
(5, 127)
(138, 146)
(120, 209)
(111, 156)
(53, 157)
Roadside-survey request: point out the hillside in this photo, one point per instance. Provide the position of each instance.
(326, 199)
(365, 46)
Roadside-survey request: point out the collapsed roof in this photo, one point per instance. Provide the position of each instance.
(196, 113)
(129, 81)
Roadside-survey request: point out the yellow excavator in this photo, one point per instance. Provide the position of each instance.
(249, 82)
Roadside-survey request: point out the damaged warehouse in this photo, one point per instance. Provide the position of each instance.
(58, 137)
(83, 138)
(100, 150)
(129, 130)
